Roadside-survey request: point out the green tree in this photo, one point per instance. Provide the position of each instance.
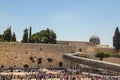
(14, 37)
(44, 36)
(7, 36)
(25, 36)
(1, 37)
(102, 55)
(52, 37)
(30, 33)
(116, 39)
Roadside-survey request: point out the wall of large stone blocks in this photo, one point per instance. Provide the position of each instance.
(81, 46)
(106, 50)
(18, 54)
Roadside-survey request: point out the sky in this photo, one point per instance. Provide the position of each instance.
(71, 20)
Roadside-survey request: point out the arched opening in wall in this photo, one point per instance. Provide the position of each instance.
(80, 50)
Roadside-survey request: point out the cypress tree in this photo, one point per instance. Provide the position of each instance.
(25, 36)
(14, 37)
(7, 35)
(116, 39)
(30, 32)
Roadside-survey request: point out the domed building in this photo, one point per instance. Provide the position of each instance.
(95, 39)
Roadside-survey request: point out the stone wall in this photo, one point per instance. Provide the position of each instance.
(106, 50)
(18, 54)
(82, 47)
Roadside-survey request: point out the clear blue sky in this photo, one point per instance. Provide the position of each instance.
(73, 20)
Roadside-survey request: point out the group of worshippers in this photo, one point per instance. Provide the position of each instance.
(45, 74)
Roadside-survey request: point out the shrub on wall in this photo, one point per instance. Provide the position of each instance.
(2, 67)
(101, 55)
(49, 61)
(31, 58)
(39, 60)
(60, 64)
(26, 66)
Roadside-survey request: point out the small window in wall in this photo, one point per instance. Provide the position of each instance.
(80, 50)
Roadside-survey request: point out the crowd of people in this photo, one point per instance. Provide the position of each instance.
(62, 75)
(42, 76)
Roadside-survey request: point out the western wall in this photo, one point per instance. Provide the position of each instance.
(18, 54)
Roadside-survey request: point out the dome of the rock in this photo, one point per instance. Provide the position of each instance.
(94, 39)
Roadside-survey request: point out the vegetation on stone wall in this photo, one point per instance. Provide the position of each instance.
(18, 54)
(31, 59)
(39, 61)
(101, 55)
(2, 67)
(26, 66)
(49, 61)
(60, 64)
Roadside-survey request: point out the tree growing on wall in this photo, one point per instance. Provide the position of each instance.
(102, 55)
(31, 59)
(49, 61)
(25, 36)
(60, 64)
(116, 39)
(2, 67)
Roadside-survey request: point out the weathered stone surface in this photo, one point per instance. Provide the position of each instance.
(90, 62)
(17, 54)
